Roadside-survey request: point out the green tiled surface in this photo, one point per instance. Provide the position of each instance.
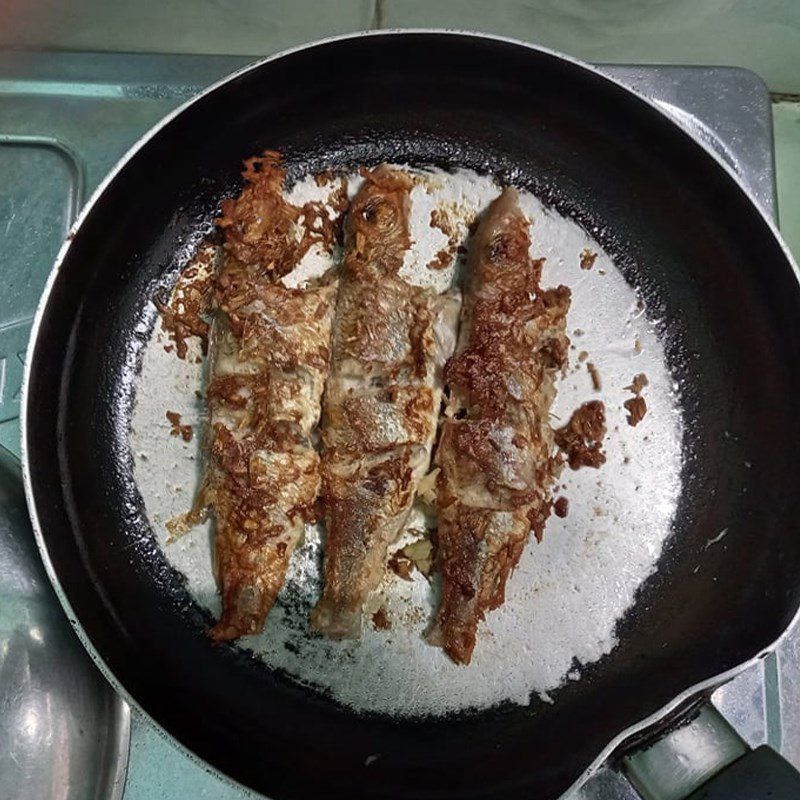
(249, 27)
(157, 770)
(762, 35)
(786, 120)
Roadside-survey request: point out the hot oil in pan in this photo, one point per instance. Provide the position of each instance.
(568, 592)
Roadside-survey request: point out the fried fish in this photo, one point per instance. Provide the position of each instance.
(391, 340)
(496, 447)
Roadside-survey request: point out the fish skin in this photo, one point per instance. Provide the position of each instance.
(495, 452)
(263, 474)
(268, 362)
(391, 340)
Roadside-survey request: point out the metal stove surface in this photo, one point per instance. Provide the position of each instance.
(65, 119)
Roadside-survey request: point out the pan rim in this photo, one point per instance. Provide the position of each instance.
(614, 744)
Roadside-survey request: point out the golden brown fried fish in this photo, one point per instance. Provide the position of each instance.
(496, 443)
(391, 339)
(269, 355)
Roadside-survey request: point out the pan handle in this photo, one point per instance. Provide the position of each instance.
(704, 758)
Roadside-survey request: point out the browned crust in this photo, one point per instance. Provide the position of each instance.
(378, 420)
(638, 383)
(475, 566)
(384, 326)
(401, 565)
(381, 621)
(274, 324)
(582, 437)
(187, 311)
(365, 505)
(594, 374)
(270, 354)
(636, 408)
(253, 512)
(261, 228)
(376, 233)
(495, 447)
(588, 257)
(177, 429)
(380, 407)
(444, 258)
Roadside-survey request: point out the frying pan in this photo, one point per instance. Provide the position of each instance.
(680, 228)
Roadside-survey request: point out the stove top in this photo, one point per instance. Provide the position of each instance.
(65, 119)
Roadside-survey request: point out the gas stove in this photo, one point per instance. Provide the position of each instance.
(65, 119)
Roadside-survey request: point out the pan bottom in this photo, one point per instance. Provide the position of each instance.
(569, 592)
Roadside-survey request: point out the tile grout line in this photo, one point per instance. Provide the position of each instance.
(378, 15)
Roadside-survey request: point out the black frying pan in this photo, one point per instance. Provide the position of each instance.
(681, 229)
